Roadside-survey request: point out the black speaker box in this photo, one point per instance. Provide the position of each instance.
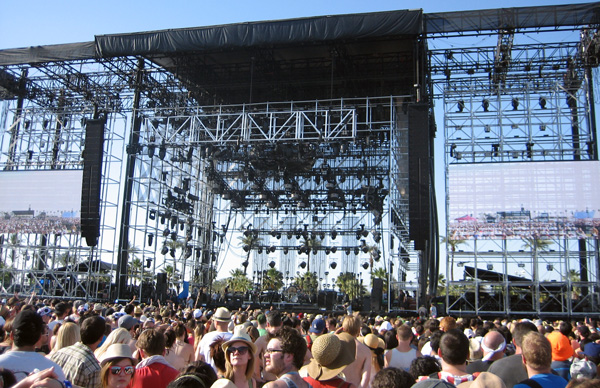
(91, 182)
(376, 294)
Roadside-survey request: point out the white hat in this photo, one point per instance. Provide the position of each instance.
(117, 351)
(197, 314)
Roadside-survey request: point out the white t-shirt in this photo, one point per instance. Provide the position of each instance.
(23, 363)
(207, 340)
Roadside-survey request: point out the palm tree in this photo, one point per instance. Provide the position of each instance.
(248, 243)
(441, 286)
(136, 267)
(380, 273)
(349, 285)
(310, 244)
(453, 244)
(536, 245)
(307, 283)
(273, 279)
(238, 281)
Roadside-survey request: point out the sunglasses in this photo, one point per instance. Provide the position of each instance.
(241, 350)
(116, 370)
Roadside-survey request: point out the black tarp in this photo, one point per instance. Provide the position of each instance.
(289, 32)
(50, 53)
(492, 276)
(520, 17)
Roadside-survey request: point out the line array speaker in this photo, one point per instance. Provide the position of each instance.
(91, 182)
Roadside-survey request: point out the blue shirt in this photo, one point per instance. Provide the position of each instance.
(546, 380)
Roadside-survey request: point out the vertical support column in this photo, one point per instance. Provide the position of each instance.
(12, 147)
(134, 138)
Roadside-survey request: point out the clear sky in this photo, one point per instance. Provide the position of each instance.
(43, 22)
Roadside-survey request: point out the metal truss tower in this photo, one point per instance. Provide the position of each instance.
(522, 113)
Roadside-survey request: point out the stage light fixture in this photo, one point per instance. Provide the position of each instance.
(164, 250)
(460, 105)
(286, 250)
(166, 232)
(303, 265)
(333, 265)
(272, 264)
(452, 150)
(365, 265)
(148, 263)
(150, 239)
(550, 267)
(542, 102)
(515, 103)
(485, 105)
(172, 252)
(542, 127)
(333, 249)
(174, 236)
(490, 267)
(162, 151)
(487, 128)
(356, 250)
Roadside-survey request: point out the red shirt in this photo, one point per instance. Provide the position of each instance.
(155, 375)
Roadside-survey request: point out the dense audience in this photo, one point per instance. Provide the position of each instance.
(53, 343)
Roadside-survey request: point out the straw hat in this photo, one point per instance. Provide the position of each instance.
(222, 315)
(117, 351)
(331, 354)
(374, 342)
(240, 335)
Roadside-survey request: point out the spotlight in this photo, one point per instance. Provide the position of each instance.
(333, 264)
(162, 151)
(365, 265)
(152, 214)
(515, 103)
(334, 234)
(172, 252)
(460, 105)
(166, 232)
(272, 264)
(490, 267)
(150, 239)
(542, 102)
(164, 250)
(333, 249)
(487, 128)
(150, 150)
(486, 105)
(148, 263)
(303, 265)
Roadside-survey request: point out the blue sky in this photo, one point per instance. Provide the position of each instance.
(42, 22)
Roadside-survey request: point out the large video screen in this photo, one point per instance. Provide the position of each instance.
(40, 201)
(541, 200)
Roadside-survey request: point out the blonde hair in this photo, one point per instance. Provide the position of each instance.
(117, 336)
(536, 350)
(68, 334)
(352, 325)
(229, 368)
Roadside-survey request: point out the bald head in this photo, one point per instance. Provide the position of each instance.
(493, 345)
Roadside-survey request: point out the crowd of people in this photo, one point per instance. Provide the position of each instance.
(60, 344)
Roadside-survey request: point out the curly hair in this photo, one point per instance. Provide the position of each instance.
(292, 343)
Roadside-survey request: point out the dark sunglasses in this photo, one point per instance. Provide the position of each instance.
(116, 370)
(241, 350)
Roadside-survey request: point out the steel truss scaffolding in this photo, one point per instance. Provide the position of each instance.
(300, 178)
(46, 259)
(518, 103)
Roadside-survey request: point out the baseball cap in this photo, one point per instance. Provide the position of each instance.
(591, 349)
(583, 368)
(127, 322)
(317, 326)
(44, 311)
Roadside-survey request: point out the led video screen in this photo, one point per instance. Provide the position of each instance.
(40, 201)
(541, 200)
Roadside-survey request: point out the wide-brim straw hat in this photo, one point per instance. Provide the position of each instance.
(222, 315)
(117, 351)
(240, 335)
(331, 354)
(373, 342)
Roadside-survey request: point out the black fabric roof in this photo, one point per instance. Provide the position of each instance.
(521, 17)
(270, 33)
(305, 30)
(50, 53)
(492, 276)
